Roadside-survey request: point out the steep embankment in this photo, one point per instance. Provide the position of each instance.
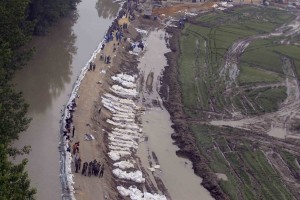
(171, 92)
(248, 164)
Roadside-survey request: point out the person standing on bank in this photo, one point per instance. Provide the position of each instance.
(73, 131)
(101, 170)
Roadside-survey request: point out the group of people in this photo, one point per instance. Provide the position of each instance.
(106, 59)
(109, 37)
(91, 168)
(69, 121)
(119, 34)
(139, 44)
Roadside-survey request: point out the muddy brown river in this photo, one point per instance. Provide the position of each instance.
(47, 81)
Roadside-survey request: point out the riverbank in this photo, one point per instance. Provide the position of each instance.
(171, 92)
(102, 107)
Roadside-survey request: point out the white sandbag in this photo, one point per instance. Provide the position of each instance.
(141, 31)
(118, 148)
(125, 136)
(128, 102)
(117, 106)
(125, 164)
(126, 77)
(127, 131)
(135, 194)
(116, 155)
(130, 126)
(124, 115)
(123, 119)
(123, 91)
(123, 82)
(118, 103)
(135, 176)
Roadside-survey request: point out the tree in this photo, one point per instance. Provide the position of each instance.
(15, 32)
(18, 20)
(46, 12)
(14, 182)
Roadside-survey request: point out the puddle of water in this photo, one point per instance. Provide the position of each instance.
(152, 64)
(277, 132)
(239, 123)
(226, 123)
(175, 172)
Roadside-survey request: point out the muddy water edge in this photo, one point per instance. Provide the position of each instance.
(170, 91)
(175, 172)
(47, 81)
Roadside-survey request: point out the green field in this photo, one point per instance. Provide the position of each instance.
(251, 74)
(204, 43)
(265, 54)
(259, 88)
(249, 174)
(263, 99)
(290, 159)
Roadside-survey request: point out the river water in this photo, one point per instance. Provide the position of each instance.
(175, 172)
(47, 81)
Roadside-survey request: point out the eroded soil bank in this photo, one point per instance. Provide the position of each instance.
(171, 92)
(158, 149)
(279, 154)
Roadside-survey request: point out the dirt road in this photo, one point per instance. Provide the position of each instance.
(86, 121)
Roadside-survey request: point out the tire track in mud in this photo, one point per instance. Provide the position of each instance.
(230, 68)
(280, 119)
(277, 123)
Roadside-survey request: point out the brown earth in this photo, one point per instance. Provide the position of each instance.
(87, 121)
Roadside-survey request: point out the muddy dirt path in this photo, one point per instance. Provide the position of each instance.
(87, 121)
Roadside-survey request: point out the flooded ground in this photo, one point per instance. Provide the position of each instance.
(158, 149)
(47, 81)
